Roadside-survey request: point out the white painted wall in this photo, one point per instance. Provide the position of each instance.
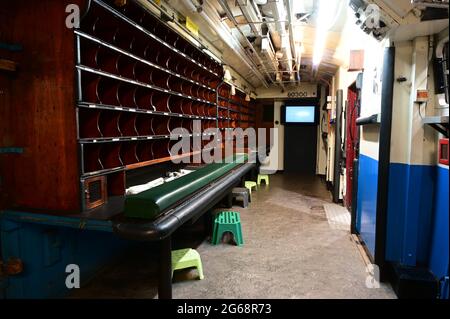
(280, 128)
(371, 95)
(275, 92)
(321, 159)
(412, 142)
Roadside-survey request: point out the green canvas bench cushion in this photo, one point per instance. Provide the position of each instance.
(149, 204)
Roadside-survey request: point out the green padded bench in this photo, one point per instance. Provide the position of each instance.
(151, 203)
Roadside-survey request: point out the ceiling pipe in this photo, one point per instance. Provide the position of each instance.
(252, 15)
(294, 51)
(229, 14)
(219, 29)
(442, 5)
(278, 13)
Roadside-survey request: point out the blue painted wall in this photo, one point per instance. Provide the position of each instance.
(367, 201)
(418, 222)
(47, 250)
(410, 213)
(439, 250)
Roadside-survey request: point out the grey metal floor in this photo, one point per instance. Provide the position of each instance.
(291, 250)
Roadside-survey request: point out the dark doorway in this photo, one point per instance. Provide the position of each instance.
(300, 148)
(300, 142)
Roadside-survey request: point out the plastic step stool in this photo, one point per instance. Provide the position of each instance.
(263, 177)
(241, 192)
(186, 258)
(249, 185)
(227, 222)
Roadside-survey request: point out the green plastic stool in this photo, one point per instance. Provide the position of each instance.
(227, 222)
(263, 177)
(186, 258)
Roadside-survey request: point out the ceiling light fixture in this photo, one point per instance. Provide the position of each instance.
(227, 75)
(233, 90)
(325, 19)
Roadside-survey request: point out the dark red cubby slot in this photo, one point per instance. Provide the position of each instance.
(144, 125)
(187, 107)
(127, 124)
(149, 22)
(208, 124)
(110, 155)
(128, 153)
(144, 151)
(188, 125)
(160, 101)
(160, 125)
(212, 110)
(176, 104)
(160, 79)
(187, 88)
(175, 84)
(223, 113)
(125, 66)
(106, 91)
(89, 123)
(142, 72)
(133, 12)
(88, 53)
(125, 94)
(138, 45)
(109, 123)
(188, 69)
(163, 58)
(143, 98)
(89, 84)
(160, 148)
(196, 91)
(91, 158)
(176, 125)
(123, 37)
(152, 50)
(105, 28)
(197, 108)
(161, 31)
(172, 38)
(212, 82)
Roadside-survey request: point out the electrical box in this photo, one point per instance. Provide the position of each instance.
(443, 151)
(421, 96)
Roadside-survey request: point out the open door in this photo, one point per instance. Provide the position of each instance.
(351, 145)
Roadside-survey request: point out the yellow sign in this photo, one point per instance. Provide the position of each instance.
(158, 2)
(191, 26)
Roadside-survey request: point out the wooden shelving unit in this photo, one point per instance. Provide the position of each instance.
(100, 103)
(236, 112)
(138, 81)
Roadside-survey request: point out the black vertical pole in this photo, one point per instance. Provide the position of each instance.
(384, 160)
(354, 197)
(165, 269)
(337, 146)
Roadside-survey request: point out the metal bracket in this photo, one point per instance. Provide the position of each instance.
(11, 150)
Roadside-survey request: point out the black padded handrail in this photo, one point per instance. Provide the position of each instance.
(170, 220)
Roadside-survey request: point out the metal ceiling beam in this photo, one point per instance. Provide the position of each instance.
(230, 16)
(291, 35)
(220, 29)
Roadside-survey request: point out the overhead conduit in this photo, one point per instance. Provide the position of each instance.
(221, 29)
